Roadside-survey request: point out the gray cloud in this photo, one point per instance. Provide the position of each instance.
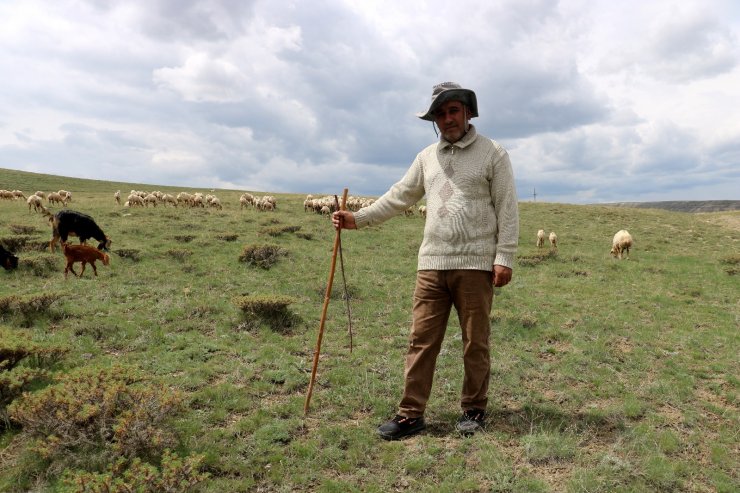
(317, 96)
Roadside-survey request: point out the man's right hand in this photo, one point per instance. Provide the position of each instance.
(343, 220)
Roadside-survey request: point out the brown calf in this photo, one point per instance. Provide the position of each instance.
(85, 254)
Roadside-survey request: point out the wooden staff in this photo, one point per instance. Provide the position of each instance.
(329, 283)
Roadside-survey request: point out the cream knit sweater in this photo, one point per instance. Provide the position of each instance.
(472, 213)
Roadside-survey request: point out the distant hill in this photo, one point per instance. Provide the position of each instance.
(683, 205)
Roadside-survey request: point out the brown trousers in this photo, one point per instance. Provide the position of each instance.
(471, 293)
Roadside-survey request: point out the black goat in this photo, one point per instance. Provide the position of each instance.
(66, 223)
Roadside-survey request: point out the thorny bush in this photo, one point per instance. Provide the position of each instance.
(111, 412)
(176, 475)
(264, 256)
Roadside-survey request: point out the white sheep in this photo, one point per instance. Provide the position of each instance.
(540, 238)
(35, 202)
(135, 200)
(169, 199)
(246, 200)
(185, 198)
(553, 239)
(117, 196)
(423, 211)
(621, 243)
(150, 199)
(55, 197)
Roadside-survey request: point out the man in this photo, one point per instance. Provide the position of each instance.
(470, 239)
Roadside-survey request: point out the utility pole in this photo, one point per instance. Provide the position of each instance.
(534, 193)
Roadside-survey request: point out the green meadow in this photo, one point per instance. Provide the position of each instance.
(184, 365)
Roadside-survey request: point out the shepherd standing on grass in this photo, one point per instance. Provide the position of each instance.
(470, 240)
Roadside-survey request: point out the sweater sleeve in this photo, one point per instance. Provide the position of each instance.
(503, 191)
(403, 194)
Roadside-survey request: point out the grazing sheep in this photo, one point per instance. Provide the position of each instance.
(553, 239)
(134, 200)
(85, 254)
(7, 259)
(35, 202)
(169, 199)
(540, 238)
(423, 211)
(55, 197)
(117, 196)
(17, 194)
(215, 202)
(41, 194)
(621, 243)
(150, 199)
(185, 198)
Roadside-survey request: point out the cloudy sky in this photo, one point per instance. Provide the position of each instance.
(595, 100)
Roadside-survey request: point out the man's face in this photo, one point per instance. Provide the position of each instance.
(451, 118)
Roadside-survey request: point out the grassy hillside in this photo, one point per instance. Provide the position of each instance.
(607, 375)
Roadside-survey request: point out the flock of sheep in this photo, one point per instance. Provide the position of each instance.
(621, 242)
(36, 200)
(140, 198)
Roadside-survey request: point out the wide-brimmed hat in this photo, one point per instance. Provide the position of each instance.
(450, 91)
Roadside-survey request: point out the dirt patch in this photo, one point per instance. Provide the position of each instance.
(673, 416)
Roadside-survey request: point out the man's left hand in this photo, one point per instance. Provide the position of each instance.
(501, 275)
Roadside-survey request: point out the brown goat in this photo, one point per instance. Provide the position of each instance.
(85, 254)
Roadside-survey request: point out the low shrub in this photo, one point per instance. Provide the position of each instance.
(278, 230)
(264, 256)
(179, 254)
(42, 265)
(108, 413)
(272, 309)
(733, 259)
(536, 258)
(16, 347)
(228, 237)
(732, 262)
(28, 306)
(129, 253)
(175, 474)
(184, 238)
(15, 243)
(21, 229)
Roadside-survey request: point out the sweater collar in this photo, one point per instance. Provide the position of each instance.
(467, 139)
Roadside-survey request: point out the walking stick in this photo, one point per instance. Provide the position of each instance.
(317, 351)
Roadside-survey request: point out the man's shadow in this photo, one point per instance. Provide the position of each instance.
(532, 418)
